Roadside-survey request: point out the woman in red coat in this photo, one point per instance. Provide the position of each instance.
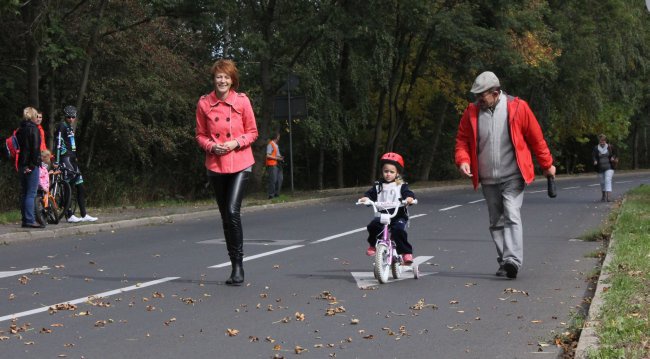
(225, 131)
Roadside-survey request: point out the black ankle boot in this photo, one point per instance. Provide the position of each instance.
(237, 274)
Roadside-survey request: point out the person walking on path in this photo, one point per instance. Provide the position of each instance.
(225, 131)
(29, 163)
(66, 155)
(274, 166)
(494, 141)
(605, 159)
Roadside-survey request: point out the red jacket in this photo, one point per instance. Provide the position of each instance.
(220, 121)
(525, 134)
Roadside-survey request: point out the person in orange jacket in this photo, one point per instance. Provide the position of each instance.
(494, 141)
(274, 166)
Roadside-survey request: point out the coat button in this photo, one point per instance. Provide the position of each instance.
(228, 135)
(218, 135)
(228, 119)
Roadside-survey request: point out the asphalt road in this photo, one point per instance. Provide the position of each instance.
(159, 292)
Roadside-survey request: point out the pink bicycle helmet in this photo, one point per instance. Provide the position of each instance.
(394, 159)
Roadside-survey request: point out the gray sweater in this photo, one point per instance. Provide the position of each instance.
(497, 162)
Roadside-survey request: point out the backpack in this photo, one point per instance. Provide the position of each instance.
(13, 148)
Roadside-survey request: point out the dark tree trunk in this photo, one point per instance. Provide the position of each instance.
(29, 12)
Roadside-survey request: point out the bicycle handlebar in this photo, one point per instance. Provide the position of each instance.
(386, 206)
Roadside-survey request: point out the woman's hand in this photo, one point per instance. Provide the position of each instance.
(221, 149)
(409, 200)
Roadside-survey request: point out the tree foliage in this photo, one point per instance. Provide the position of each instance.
(377, 75)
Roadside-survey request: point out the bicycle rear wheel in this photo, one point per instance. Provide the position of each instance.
(381, 263)
(61, 193)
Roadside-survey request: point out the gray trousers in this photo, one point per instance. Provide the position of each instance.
(275, 180)
(504, 202)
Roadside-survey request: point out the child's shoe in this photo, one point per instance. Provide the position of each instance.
(408, 258)
(371, 251)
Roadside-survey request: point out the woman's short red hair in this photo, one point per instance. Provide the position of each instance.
(228, 67)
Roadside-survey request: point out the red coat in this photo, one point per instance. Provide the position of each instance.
(220, 121)
(525, 134)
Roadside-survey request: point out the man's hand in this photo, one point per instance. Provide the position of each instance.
(465, 169)
(549, 172)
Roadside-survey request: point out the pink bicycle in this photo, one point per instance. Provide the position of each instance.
(386, 257)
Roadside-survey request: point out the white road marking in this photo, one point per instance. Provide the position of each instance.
(339, 235)
(574, 187)
(537, 191)
(367, 279)
(623, 181)
(85, 299)
(19, 272)
(225, 264)
(593, 185)
(477, 201)
(448, 208)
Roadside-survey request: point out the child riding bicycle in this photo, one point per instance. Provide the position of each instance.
(391, 188)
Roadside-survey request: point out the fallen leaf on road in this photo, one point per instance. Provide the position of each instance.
(12, 296)
(515, 291)
(453, 302)
(253, 339)
(23, 279)
(29, 343)
(369, 336)
(232, 332)
(3, 338)
(354, 321)
(277, 347)
(536, 321)
(45, 331)
(300, 316)
(171, 320)
(299, 350)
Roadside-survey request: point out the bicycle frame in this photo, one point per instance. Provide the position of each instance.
(386, 253)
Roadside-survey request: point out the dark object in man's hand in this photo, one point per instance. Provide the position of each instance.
(551, 186)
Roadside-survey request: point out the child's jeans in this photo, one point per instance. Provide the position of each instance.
(397, 231)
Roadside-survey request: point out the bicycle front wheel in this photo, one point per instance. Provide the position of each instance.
(61, 193)
(382, 267)
(39, 212)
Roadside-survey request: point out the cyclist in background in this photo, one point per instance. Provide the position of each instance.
(66, 156)
(391, 188)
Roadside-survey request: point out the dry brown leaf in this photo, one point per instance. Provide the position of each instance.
(2, 338)
(369, 336)
(299, 350)
(277, 347)
(354, 321)
(253, 339)
(269, 339)
(12, 296)
(157, 295)
(45, 331)
(300, 316)
(171, 320)
(232, 332)
(23, 279)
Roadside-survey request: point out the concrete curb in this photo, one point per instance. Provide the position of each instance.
(588, 336)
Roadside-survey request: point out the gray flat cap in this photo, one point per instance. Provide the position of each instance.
(484, 82)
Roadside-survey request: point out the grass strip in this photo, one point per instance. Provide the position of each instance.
(624, 326)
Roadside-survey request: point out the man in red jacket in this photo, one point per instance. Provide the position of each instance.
(493, 146)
